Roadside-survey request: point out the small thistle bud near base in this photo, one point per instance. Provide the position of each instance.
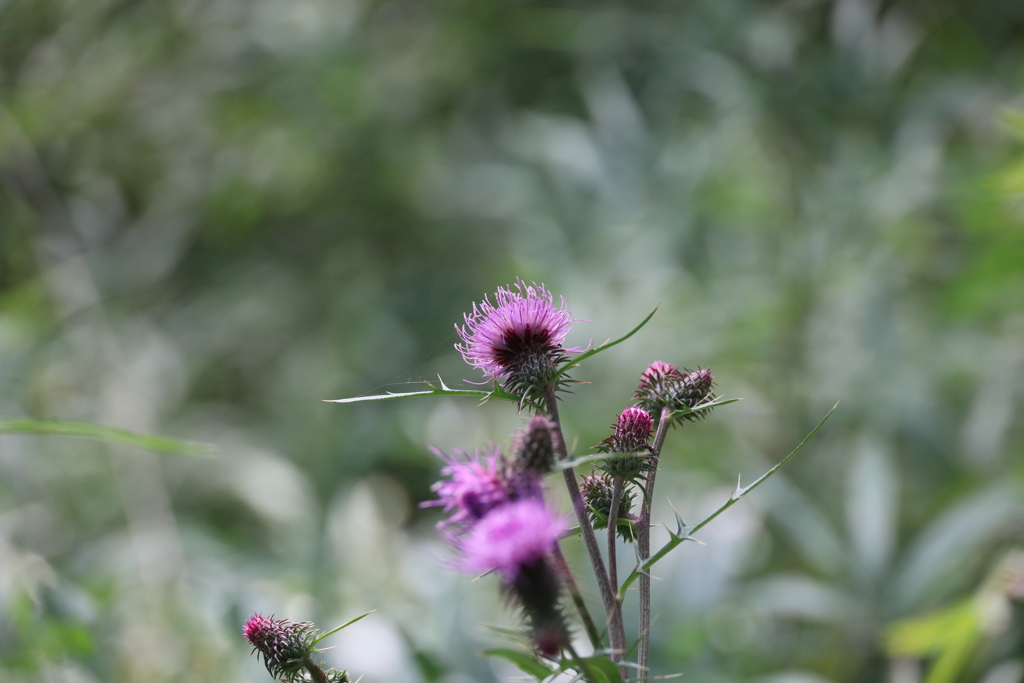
(287, 649)
(283, 645)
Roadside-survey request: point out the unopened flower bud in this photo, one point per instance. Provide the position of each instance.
(662, 385)
(632, 432)
(597, 494)
(534, 451)
(287, 649)
(284, 645)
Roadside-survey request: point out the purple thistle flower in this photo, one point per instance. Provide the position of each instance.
(510, 538)
(518, 341)
(477, 484)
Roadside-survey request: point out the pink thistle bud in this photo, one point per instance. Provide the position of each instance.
(287, 649)
(631, 436)
(662, 385)
(284, 646)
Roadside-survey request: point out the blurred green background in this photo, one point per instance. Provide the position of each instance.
(216, 213)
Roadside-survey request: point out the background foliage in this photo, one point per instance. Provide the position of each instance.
(215, 213)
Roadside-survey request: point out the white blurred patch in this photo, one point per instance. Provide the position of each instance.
(872, 507)
(453, 425)
(1006, 672)
(882, 43)
(794, 677)
(771, 43)
(273, 487)
(373, 647)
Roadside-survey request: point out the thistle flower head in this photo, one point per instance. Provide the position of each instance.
(476, 485)
(511, 537)
(662, 385)
(283, 645)
(518, 339)
(533, 448)
(515, 540)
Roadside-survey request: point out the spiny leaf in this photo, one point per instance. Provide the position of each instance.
(677, 539)
(603, 347)
(87, 430)
(526, 663)
(684, 411)
(435, 390)
(584, 459)
(345, 625)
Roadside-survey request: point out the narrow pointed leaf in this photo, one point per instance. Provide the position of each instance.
(684, 411)
(676, 540)
(607, 345)
(584, 459)
(526, 663)
(86, 430)
(439, 389)
(345, 625)
(601, 669)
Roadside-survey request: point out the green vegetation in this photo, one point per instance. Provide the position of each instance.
(214, 215)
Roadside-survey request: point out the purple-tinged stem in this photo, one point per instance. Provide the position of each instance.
(616, 631)
(315, 672)
(643, 545)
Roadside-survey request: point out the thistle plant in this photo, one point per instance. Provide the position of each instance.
(497, 516)
(288, 649)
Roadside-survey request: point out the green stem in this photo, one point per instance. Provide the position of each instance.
(577, 597)
(643, 545)
(618, 651)
(613, 528)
